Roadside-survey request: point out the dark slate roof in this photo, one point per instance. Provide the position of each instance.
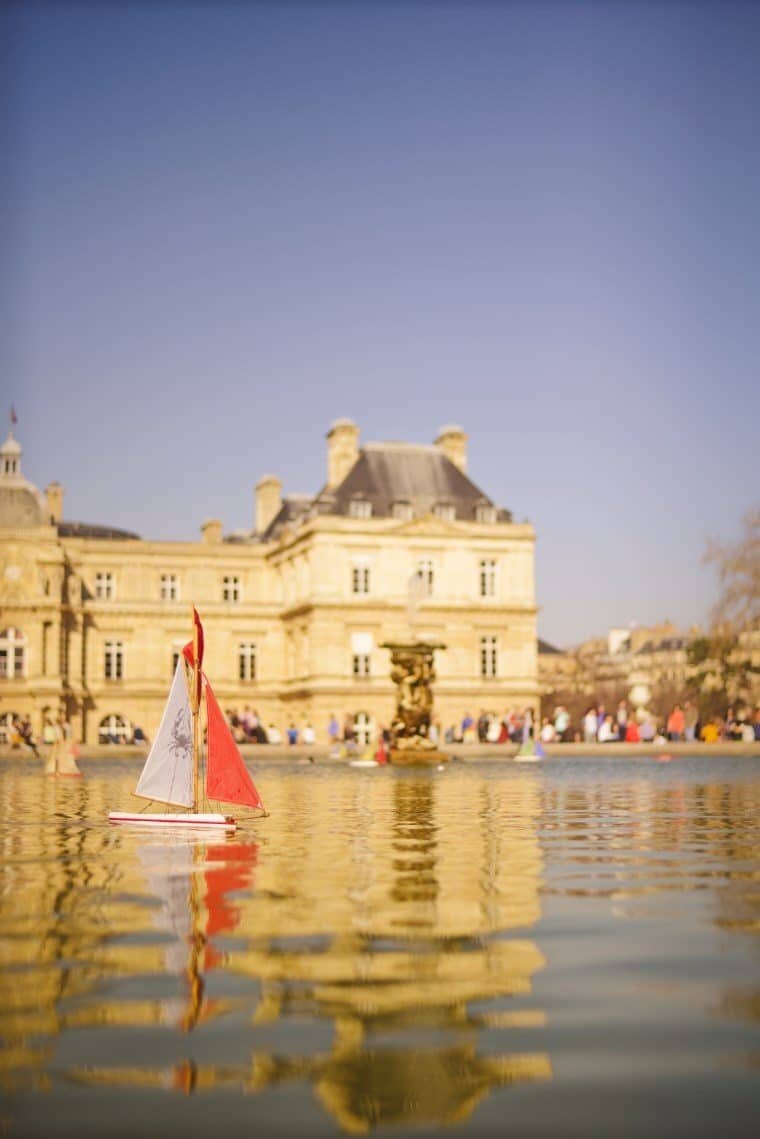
(294, 506)
(386, 473)
(92, 530)
(668, 645)
(545, 647)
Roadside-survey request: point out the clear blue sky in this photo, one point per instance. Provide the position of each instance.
(226, 225)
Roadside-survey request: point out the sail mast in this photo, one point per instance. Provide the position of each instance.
(194, 707)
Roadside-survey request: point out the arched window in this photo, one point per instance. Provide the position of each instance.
(363, 728)
(12, 653)
(114, 730)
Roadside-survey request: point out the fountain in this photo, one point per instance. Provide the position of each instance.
(412, 672)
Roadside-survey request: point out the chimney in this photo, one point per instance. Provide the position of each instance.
(453, 442)
(211, 531)
(54, 498)
(342, 451)
(268, 501)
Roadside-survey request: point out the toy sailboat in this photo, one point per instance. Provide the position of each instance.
(172, 772)
(530, 752)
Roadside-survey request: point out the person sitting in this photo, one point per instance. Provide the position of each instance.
(676, 724)
(632, 735)
(710, 733)
(607, 731)
(647, 729)
(548, 734)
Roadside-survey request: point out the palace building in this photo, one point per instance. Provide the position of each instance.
(399, 542)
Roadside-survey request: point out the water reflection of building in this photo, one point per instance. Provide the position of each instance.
(385, 914)
(431, 892)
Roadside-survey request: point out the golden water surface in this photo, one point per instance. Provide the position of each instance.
(565, 949)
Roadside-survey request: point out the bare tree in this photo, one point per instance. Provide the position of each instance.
(722, 665)
(738, 568)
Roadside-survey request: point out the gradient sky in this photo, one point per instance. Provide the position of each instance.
(224, 226)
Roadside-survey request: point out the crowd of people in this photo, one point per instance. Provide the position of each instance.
(596, 725)
(682, 724)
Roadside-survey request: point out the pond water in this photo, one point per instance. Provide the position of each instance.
(566, 949)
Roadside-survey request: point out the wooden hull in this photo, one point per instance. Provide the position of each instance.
(173, 821)
(417, 757)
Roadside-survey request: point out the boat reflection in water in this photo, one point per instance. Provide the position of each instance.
(393, 959)
(193, 881)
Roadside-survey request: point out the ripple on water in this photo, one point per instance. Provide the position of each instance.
(395, 948)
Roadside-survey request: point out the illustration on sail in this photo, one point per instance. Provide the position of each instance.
(172, 771)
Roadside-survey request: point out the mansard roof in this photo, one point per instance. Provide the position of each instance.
(293, 508)
(548, 650)
(93, 530)
(667, 645)
(388, 473)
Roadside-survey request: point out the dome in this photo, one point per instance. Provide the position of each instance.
(21, 505)
(11, 446)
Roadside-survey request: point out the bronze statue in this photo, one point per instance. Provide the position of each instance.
(413, 673)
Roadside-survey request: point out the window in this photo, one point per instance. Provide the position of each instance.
(403, 511)
(360, 577)
(169, 587)
(247, 660)
(363, 728)
(489, 653)
(114, 730)
(177, 648)
(485, 513)
(104, 586)
(12, 653)
(425, 571)
(230, 589)
(360, 508)
(445, 511)
(361, 654)
(487, 577)
(114, 660)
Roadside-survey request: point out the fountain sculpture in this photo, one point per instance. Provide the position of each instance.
(412, 672)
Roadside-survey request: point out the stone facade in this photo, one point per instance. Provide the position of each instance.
(295, 610)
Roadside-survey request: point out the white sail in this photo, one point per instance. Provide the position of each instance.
(168, 773)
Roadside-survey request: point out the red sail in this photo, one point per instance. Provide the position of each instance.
(226, 776)
(188, 651)
(230, 867)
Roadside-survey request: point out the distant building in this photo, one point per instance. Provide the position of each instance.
(557, 669)
(642, 664)
(295, 610)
